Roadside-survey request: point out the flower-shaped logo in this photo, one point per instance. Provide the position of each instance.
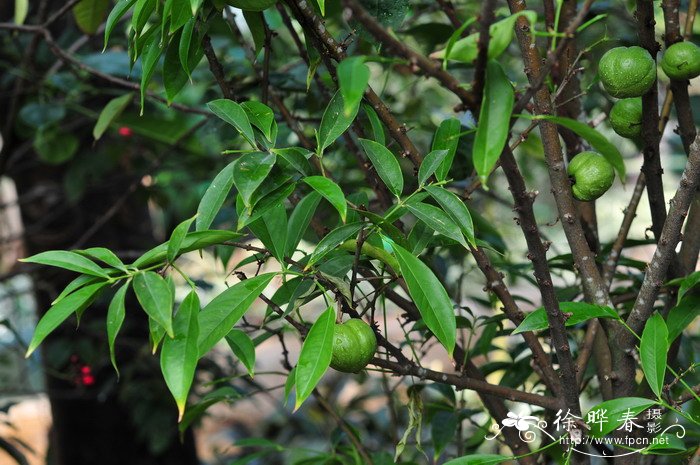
(522, 423)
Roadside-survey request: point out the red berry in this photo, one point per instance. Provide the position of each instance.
(125, 131)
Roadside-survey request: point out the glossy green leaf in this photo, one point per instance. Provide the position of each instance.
(353, 77)
(235, 115)
(193, 241)
(249, 171)
(59, 312)
(446, 138)
(442, 428)
(67, 260)
(81, 281)
(687, 283)
(156, 333)
(430, 297)
(115, 318)
(322, 6)
(256, 26)
(271, 230)
(580, 312)
(109, 113)
(297, 158)
(501, 35)
(153, 293)
(300, 219)
(615, 410)
(219, 316)
(386, 165)
(334, 122)
(89, 14)
(332, 240)
(180, 13)
(331, 192)
(214, 197)
(114, 16)
(378, 134)
(179, 355)
(437, 220)
(599, 142)
(243, 348)
(260, 116)
(149, 59)
(681, 316)
(455, 209)
(315, 356)
(479, 459)
(430, 163)
(140, 16)
(653, 350)
(195, 4)
(177, 238)
(104, 255)
(21, 10)
(494, 120)
(184, 48)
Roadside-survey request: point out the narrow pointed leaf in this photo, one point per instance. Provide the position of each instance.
(214, 198)
(249, 171)
(109, 113)
(243, 348)
(331, 192)
(153, 293)
(446, 138)
(437, 220)
(179, 355)
(455, 209)
(353, 76)
(653, 350)
(332, 240)
(315, 356)
(579, 312)
(385, 163)
(67, 260)
(430, 163)
(114, 16)
(235, 115)
(115, 318)
(177, 238)
(334, 121)
(300, 219)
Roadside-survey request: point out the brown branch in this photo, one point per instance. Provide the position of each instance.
(486, 18)
(217, 69)
(449, 9)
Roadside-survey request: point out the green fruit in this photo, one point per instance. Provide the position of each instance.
(252, 5)
(627, 71)
(681, 61)
(592, 175)
(354, 345)
(626, 117)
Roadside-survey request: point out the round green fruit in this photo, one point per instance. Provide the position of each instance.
(626, 117)
(627, 71)
(252, 5)
(592, 175)
(681, 61)
(354, 345)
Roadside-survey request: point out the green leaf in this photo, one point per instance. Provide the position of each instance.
(89, 14)
(153, 293)
(297, 158)
(437, 220)
(21, 10)
(57, 314)
(430, 163)
(598, 141)
(109, 113)
(77, 283)
(687, 284)
(104, 255)
(331, 192)
(322, 6)
(271, 229)
(115, 15)
(653, 350)
(214, 197)
(178, 358)
(353, 77)
(225, 394)
(193, 241)
(580, 312)
(149, 59)
(180, 14)
(429, 296)
(332, 240)
(218, 317)
(174, 75)
(501, 35)
(334, 122)
(67, 260)
(177, 238)
(455, 209)
(443, 428)
(260, 116)
(195, 4)
(256, 25)
(184, 49)
(300, 219)
(243, 348)
(115, 317)
(374, 121)
(249, 171)
(494, 120)
(479, 459)
(235, 115)
(315, 356)
(386, 164)
(415, 419)
(614, 410)
(446, 138)
(156, 333)
(681, 316)
(55, 147)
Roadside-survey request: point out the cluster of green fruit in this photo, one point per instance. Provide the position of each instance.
(628, 73)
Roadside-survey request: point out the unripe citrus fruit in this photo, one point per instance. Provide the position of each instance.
(252, 5)
(592, 175)
(681, 61)
(354, 345)
(627, 71)
(626, 117)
